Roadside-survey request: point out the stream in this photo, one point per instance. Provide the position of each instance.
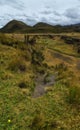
(40, 85)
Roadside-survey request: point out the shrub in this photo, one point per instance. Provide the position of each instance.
(48, 89)
(17, 65)
(39, 123)
(26, 55)
(22, 84)
(10, 41)
(5, 40)
(40, 69)
(61, 67)
(37, 57)
(46, 79)
(32, 41)
(78, 50)
(6, 76)
(25, 84)
(74, 95)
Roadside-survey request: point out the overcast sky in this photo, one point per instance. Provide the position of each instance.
(33, 11)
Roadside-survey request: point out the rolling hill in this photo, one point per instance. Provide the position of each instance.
(15, 26)
(42, 25)
(39, 83)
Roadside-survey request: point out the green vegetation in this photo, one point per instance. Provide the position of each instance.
(52, 68)
(15, 26)
(17, 65)
(74, 95)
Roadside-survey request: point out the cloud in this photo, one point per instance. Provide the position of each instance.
(72, 13)
(57, 13)
(50, 12)
(30, 20)
(13, 3)
(46, 12)
(33, 11)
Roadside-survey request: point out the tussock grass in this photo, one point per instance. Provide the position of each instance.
(57, 108)
(17, 65)
(73, 96)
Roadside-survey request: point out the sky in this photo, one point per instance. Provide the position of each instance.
(63, 12)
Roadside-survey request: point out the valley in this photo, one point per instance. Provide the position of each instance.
(40, 81)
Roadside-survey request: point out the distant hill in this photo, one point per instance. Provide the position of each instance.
(15, 26)
(42, 25)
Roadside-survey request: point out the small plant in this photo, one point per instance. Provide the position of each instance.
(6, 76)
(17, 65)
(61, 67)
(48, 89)
(78, 50)
(25, 84)
(37, 57)
(74, 95)
(32, 41)
(39, 123)
(40, 69)
(46, 79)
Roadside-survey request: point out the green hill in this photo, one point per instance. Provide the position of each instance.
(15, 26)
(42, 25)
(39, 83)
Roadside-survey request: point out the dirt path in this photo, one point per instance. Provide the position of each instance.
(40, 85)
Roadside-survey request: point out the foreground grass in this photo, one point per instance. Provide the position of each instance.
(57, 109)
(48, 112)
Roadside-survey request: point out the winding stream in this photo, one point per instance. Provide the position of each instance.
(40, 85)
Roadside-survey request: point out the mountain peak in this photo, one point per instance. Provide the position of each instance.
(15, 26)
(42, 24)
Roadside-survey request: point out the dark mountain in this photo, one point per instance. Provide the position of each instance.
(72, 28)
(15, 26)
(42, 28)
(42, 25)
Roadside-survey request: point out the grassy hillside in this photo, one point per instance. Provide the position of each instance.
(15, 26)
(39, 83)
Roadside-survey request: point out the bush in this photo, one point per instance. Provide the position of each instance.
(22, 84)
(61, 67)
(17, 65)
(6, 76)
(39, 123)
(74, 95)
(78, 50)
(9, 41)
(47, 79)
(37, 57)
(26, 55)
(40, 69)
(25, 84)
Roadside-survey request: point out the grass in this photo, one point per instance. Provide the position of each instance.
(59, 45)
(74, 95)
(17, 65)
(58, 108)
